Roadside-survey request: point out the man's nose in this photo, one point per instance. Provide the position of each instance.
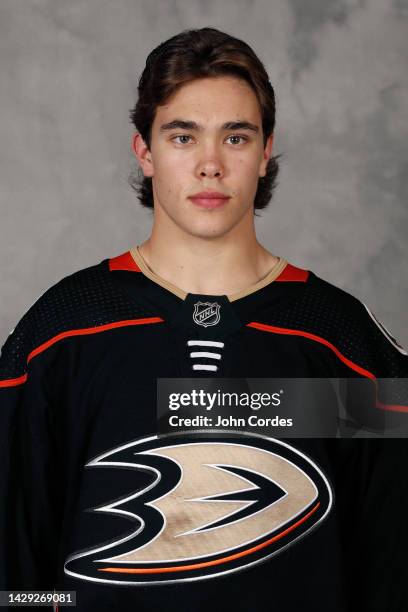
(210, 163)
(210, 169)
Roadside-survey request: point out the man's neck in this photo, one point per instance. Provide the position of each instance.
(208, 266)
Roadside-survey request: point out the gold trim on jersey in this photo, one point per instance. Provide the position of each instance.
(272, 275)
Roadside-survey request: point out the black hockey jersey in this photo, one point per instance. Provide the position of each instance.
(93, 500)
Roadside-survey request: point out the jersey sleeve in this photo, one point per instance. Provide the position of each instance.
(30, 503)
(375, 391)
(376, 487)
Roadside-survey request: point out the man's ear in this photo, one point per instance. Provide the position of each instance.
(144, 157)
(266, 155)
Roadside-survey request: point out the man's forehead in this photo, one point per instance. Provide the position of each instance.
(212, 100)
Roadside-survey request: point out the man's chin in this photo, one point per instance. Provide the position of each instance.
(207, 233)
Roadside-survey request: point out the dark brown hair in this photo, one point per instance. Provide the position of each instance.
(191, 55)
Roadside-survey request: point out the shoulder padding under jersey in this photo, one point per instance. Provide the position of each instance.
(331, 316)
(78, 302)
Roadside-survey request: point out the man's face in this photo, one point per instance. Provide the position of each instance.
(210, 155)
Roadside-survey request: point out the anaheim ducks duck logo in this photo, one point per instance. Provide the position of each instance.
(211, 504)
(206, 313)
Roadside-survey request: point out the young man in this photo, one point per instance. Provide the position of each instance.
(94, 501)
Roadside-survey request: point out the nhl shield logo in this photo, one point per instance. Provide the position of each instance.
(206, 313)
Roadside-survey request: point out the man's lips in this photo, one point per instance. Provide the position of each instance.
(210, 194)
(209, 199)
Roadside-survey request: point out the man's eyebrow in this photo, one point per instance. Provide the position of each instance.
(182, 124)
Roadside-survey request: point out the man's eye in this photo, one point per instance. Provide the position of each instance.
(181, 136)
(244, 138)
(186, 136)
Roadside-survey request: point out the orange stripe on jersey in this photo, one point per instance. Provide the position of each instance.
(298, 332)
(12, 382)
(292, 273)
(392, 407)
(91, 330)
(348, 362)
(77, 332)
(243, 553)
(124, 261)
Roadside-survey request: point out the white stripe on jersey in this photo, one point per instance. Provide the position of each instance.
(385, 332)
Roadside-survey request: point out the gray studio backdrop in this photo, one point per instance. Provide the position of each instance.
(68, 76)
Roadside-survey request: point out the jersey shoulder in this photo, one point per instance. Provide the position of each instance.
(83, 300)
(356, 330)
(326, 315)
(314, 304)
